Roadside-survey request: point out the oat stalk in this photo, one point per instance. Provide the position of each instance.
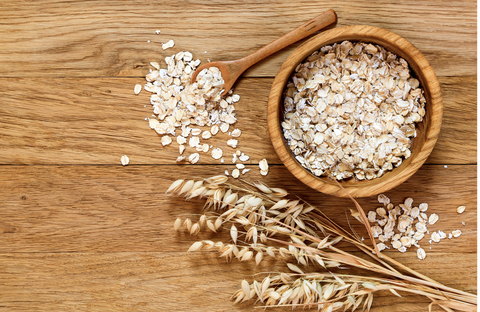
(262, 223)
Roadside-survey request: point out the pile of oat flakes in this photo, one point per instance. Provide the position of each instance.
(197, 110)
(351, 109)
(405, 225)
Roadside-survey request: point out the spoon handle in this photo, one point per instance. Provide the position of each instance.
(305, 30)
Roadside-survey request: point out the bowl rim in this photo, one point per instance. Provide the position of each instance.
(392, 42)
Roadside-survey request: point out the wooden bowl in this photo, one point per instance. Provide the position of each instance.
(427, 130)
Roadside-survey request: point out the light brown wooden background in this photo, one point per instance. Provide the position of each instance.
(79, 232)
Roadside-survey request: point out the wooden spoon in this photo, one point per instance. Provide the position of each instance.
(231, 70)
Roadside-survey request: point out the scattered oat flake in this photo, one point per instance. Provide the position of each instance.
(124, 160)
(243, 157)
(240, 166)
(461, 209)
(137, 89)
(236, 133)
(157, 32)
(193, 158)
(245, 170)
(180, 158)
(181, 149)
(205, 147)
(433, 218)
(263, 166)
(423, 207)
(235, 173)
(232, 143)
(217, 153)
(442, 234)
(181, 140)
(396, 244)
(226, 172)
(224, 127)
(166, 140)
(435, 237)
(196, 131)
(421, 253)
(360, 110)
(214, 130)
(456, 233)
(167, 45)
(155, 64)
(206, 134)
(194, 142)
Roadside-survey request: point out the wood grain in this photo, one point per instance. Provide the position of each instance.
(96, 120)
(115, 208)
(79, 232)
(169, 281)
(56, 38)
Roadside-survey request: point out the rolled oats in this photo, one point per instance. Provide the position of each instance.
(235, 173)
(245, 170)
(206, 134)
(371, 216)
(421, 254)
(263, 167)
(435, 237)
(217, 153)
(407, 221)
(433, 218)
(232, 143)
(190, 107)
(423, 207)
(137, 89)
(194, 141)
(456, 233)
(181, 140)
(167, 45)
(124, 160)
(461, 209)
(351, 109)
(155, 65)
(236, 133)
(224, 127)
(193, 158)
(243, 157)
(196, 131)
(166, 140)
(205, 148)
(214, 130)
(396, 244)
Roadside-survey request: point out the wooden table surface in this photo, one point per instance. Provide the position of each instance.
(80, 232)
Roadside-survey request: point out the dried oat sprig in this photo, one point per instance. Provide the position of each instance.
(261, 223)
(329, 290)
